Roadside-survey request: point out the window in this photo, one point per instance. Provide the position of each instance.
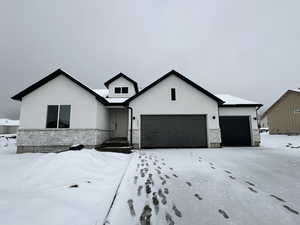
(58, 116)
(125, 90)
(297, 110)
(173, 94)
(119, 90)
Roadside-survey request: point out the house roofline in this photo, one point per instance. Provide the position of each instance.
(180, 76)
(242, 105)
(53, 75)
(135, 84)
(277, 101)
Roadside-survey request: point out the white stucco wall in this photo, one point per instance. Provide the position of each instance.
(244, 111)
(61, 91)
(189, 100)
(121, 82)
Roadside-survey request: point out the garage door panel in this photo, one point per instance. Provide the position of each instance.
(173, 131)
(235, 130)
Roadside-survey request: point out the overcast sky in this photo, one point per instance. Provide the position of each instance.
(246, 48)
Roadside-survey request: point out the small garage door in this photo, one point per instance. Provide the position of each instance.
(173, 131)
(235, 130)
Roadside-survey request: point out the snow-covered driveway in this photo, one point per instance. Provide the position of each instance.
(210, 186)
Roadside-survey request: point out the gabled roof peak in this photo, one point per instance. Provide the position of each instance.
(180, 76)
(52, 76)
(119, 75)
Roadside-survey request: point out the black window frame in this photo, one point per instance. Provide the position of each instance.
(124, 90)
(173, 94)
(118, 90)
(60, 124)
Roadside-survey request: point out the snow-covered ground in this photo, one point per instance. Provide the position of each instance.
(213, 186)
(35, 188)
(162, 186)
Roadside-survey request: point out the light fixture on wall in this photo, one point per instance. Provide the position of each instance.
(214, 117)
(254, 118)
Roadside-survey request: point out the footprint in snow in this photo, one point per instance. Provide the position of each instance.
(169, 219)
(175, 175)
(227, 171)
(155, 202)
(291, 210)
(212, 167)
(232, 177)
(252, 189)
(248, 182)
(139, 190)
(223, 213)
(189, 183)
(145, 217)
(278, 198)
(162, 196)
(135, 179)
(176, 211)
(198, 196)
(131, 207)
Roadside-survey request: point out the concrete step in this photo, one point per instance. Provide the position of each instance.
(124, 149)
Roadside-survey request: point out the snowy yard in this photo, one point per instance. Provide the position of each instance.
(35, 188)
(171, 186)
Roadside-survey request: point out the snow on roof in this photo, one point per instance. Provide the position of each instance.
(232, 100)
(296, 90)
(9, 122)
(116, 100)
(102, 92)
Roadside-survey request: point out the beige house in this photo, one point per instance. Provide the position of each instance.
(283, 117)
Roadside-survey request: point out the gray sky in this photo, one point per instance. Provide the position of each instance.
(248, 48)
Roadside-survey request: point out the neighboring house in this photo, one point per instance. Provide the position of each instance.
(59, 111)
(264, 122)
(283, 117)
(8, 126)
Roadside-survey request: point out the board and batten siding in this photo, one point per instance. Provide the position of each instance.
(189, 101)
(283, 118)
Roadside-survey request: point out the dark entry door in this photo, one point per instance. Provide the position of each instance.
(235, 130)
(173, 131)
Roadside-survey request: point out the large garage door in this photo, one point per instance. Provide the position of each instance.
(173, 131)
(235, 130)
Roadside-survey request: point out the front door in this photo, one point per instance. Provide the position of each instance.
(119, 122)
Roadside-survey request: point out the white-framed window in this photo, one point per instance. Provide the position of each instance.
(297, 110)
(58, 116)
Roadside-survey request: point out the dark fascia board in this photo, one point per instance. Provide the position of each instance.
(52, 76)
(180, 76)
(124, 76)
(242, 105)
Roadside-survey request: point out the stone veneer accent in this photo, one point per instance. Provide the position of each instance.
(51, 140)
(255, 137)
(214, 138)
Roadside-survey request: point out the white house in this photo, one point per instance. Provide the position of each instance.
(59, 111)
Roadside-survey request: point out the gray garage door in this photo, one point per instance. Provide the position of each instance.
(173, 131)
